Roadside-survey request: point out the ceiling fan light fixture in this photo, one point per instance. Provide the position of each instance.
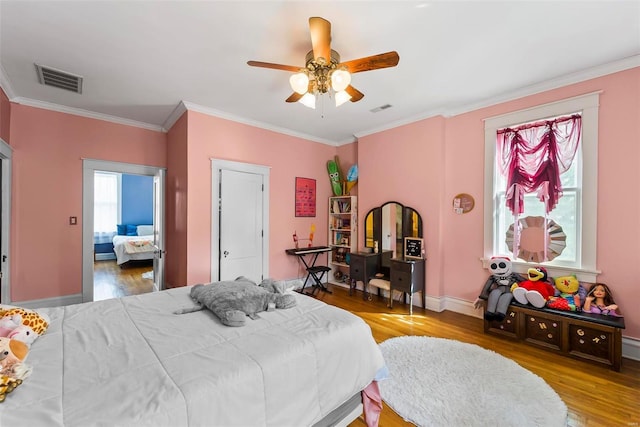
(342, 97)
(340, 79)
(299, 82)
(308, 100)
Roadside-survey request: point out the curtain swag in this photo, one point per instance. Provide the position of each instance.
(532, 157)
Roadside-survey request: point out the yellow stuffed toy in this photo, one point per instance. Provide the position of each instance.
(22, 324)
(569, 298)
(7, 385)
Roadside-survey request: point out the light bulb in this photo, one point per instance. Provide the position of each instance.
(299, 83)
(308, 100)
(342, 97)
(340, 79)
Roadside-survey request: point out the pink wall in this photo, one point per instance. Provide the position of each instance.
(5, 116)
(47, 190)
(406, 165)
(422, 165)
(451, 161)
(288, 157)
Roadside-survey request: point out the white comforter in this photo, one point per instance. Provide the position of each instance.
(120, 248)
(131, 362)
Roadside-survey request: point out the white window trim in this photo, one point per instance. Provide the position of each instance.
(588, 105)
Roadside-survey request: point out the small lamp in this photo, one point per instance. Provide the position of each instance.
(308, 100)
(299, 83)
(340, 79)
(342, 97)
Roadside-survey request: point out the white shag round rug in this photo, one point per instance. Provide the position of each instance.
(442, 382)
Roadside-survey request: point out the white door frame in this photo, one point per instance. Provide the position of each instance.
(216, 166)
(89, 167)
(5, 257)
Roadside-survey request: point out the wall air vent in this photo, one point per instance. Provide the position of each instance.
(61, 79)
(380, 108)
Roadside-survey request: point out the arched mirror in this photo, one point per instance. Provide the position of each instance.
(389, 224)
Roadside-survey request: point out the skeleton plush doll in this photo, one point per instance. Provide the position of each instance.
(497, 289)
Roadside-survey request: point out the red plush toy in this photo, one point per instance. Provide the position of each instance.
(535, 291)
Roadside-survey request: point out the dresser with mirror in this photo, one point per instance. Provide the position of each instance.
(385, 230)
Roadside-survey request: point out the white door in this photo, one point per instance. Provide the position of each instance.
(241, 225)
(239, 232)
(158, 229)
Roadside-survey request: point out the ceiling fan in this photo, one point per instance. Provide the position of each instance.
(324, 73)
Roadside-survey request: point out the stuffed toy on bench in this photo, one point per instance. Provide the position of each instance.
(233, 301)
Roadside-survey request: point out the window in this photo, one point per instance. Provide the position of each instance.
(576, 211)
(106, 210)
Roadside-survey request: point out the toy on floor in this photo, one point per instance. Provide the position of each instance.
(599, 300)
(571, 294)
(497, 289)
(536, 290)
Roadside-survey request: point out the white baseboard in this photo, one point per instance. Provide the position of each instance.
(49, 302)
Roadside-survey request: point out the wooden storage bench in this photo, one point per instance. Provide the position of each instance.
(593, 337)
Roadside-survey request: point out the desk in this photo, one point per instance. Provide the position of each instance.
(315, 273)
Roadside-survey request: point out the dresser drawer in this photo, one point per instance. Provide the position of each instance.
(407, 275)
(363, 266)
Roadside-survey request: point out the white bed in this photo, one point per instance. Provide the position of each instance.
(132, 362)
(128, 248)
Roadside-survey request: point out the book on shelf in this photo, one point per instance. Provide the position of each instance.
(341, 206)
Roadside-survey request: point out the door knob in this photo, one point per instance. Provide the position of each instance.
(225, 253)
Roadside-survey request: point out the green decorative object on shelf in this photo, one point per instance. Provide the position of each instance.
(334, 177)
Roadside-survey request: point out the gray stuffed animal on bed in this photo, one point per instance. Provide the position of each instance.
(233, 301)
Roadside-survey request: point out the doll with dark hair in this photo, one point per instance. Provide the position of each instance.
(600, 301)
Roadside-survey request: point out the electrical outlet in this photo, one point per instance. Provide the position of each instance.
(73, 220)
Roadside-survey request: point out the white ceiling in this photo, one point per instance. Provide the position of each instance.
(141, 59)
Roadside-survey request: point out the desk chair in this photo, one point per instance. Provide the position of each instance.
(316, 274)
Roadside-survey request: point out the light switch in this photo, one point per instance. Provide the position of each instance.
(73, 220)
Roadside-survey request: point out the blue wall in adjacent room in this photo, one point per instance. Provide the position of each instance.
(137, 199)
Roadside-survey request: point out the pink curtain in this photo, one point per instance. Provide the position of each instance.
(532, 157)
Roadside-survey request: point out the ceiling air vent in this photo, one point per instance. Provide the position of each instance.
(380, 108)
(61, 79)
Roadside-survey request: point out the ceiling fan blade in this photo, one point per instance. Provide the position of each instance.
(295, 97)
(320, 30)
(274, 66)
(383, 60)
(356, 95)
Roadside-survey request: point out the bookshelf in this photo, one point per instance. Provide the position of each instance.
(343, 236)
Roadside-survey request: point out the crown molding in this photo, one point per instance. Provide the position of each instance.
(183, 106)
(568, 79)
(174, 116)
(227, 116)
(5, 84)
(85, 113)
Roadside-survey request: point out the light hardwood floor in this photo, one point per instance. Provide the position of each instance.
(595, 395)
(111, 281)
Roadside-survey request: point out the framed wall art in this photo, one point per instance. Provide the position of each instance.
(305, 197)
